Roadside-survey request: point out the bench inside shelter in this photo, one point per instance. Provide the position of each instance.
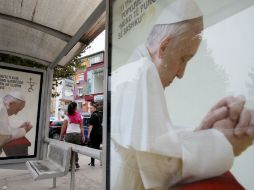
(56, 164)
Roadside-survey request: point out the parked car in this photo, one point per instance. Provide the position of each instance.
(52, 119)
(55, 127)
(86, 116)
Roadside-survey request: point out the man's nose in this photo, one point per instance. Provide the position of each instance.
(181, 71)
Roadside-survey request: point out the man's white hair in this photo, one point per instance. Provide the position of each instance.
(161, 31)
(9, 98)
(173, 20)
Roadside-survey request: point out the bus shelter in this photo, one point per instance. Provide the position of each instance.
(51, 33)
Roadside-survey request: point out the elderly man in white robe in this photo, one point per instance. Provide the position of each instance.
(147, 151)
(12, 103)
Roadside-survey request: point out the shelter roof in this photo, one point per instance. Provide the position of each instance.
(50, 32)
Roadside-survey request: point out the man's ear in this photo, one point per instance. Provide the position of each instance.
(8, 104)
(164, 45)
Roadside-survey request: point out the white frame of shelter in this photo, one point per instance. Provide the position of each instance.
(40, 113)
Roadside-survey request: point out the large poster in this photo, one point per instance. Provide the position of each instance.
(180, 70)
(20, 97)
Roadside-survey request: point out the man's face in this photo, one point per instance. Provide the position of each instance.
(15, 107)
(176, 55)
(93, 109)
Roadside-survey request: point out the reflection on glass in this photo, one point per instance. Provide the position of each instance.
(150, 150)
(230, 43)
(250, 85)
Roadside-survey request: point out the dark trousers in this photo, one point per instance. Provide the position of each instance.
(74, 138)
(96, 145)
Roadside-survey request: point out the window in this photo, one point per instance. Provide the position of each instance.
(96, 58)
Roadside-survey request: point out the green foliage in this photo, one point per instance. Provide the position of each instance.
(20, 61)
(60, 72)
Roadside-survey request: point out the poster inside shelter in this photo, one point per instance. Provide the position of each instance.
(171, 62)
(20, 97)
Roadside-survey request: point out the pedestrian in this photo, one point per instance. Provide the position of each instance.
(73, 126)
(94, 130)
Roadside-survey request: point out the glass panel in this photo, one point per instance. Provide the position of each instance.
(168, 71)
(20, 95)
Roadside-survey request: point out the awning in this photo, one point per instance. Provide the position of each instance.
(50, 32)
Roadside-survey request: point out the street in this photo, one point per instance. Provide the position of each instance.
(88, 178)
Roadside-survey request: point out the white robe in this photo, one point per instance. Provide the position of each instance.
(8, 133)
(147, 151)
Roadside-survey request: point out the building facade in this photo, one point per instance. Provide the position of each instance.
(59, 104)
(88, 85)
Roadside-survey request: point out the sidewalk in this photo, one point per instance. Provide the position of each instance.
(86, 178)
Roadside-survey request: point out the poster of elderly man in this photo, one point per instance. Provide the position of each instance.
(182, 104)
(20, 93)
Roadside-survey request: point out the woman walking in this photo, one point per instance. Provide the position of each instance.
(73, 126)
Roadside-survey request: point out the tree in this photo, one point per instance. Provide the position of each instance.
(60, 72)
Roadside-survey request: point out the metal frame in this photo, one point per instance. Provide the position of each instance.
(107, 101)
(97, 154)
(46, 111)
(90, 152)
(82, 30)
(44, 62)
(58, 34)
(41, 119)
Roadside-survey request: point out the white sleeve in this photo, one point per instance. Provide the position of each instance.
(202, 154)
(158, 171)
(4, 122)
(205, 154)
(17, 133)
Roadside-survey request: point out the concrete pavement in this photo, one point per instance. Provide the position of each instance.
(86, 178)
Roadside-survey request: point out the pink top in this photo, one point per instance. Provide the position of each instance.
(75, 118)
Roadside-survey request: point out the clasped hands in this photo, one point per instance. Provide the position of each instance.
(236, 122)
(27, 126)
